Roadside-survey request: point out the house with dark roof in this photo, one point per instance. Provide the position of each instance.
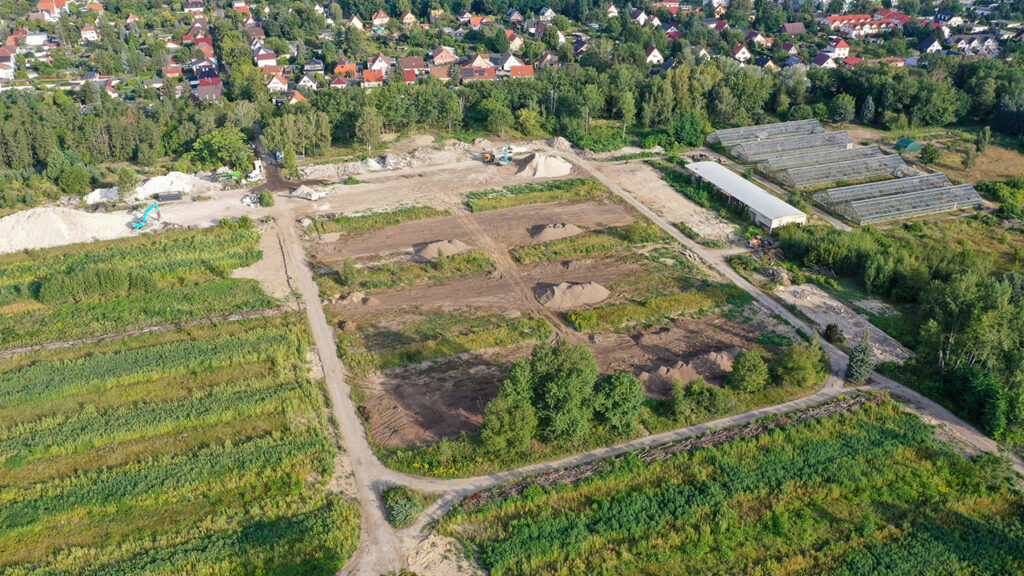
(793, 28)
(474, 74)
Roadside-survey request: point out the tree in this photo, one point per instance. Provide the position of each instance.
(349, 276)
(619, 399)
(834, 334)
(687, 128)
(510, 420)
(563, 377)
(867, 110)
(749, 372)
(224, 146)
(984, 137)
(499, 41)
(55, 164)
(929, 154)
(368, 128)
(801, 365)
(74, 180)
(862, 361)
(291, 163)
(970, 157)
(699, 400)
(843, 108)
(497, 116)
(127, 179)
(627, 109)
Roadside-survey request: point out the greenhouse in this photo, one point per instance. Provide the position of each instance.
(761, 150)
(897, 199)
(765, 208)
(876, 168)
(816, 157)
(733, 136)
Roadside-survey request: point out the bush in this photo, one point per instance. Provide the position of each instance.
(749, 372)
(698, 400)
(266, 198)
(803, 365)
(402, 506)
(833, 334)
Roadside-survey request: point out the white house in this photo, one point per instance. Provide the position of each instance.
(611, 11)
(654, 58)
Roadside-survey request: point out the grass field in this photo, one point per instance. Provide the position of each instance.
(374, 276)
(521, 194)
(857, 493)
(86, 290)
(344, 224)
(614, 316)
(200, 451)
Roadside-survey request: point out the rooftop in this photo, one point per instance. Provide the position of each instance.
(753, 196)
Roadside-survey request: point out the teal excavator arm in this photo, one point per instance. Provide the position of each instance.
(145, 215)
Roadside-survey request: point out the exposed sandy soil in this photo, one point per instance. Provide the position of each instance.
(441, 556)
(647, 185)
(270, 270)
(509, 227)
(824, 309)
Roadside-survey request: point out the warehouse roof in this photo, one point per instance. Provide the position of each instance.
(753, 196)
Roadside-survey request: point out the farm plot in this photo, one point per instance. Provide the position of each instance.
(201, 450)
(85, 290)
(858, 489)
(428, 353)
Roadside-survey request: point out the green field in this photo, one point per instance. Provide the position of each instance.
(84, 290)
(522, 194)
(614, 316)
(344, 224)
(199, 451)
(866, 492)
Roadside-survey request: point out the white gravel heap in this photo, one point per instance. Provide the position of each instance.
(103, 195)
(174, 182)
(52, 226)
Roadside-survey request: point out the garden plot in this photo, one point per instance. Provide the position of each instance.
(824, 310)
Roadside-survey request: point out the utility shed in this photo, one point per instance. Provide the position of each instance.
(907, 145)
(765, 208)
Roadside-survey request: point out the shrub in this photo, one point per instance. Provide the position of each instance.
(749, 372)
(402, 506)
(266, 198)
(833, 334)
(802, 365)
(699, 400)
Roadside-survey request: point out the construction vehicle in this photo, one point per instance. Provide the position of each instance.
(144, 220)
(225, 176)
(503, 159)
(759, 243)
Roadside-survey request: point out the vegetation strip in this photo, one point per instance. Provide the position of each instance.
(520, 194)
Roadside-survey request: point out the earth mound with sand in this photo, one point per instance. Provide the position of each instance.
(709, 365)
(50, 226)
(555, 232)
(103, 195)
(174, 182)
(559, 143)
(431, 250)
(540, 165)
(569, 295)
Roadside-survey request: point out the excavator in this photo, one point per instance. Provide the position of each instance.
(504, 159)
(144, 220)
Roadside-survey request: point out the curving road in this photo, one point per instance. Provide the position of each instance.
(382, 549)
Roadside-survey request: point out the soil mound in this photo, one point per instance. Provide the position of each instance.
(103, 195)
(554, 232)
(174, 182)
(431, 250)
(709, 365)
(50, 226)
(560, 143)
(569, 295)
(540, 165)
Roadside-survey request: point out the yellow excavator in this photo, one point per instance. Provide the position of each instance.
(503, 159)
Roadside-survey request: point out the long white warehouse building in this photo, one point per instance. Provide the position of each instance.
(765, 208)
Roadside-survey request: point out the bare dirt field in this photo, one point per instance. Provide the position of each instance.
(270, 270)
(647, 185)
(824, 309)
(510, 228)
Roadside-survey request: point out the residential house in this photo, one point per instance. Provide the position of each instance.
(373, 78)
(464, 16)
(547, 60)
(653, 21)
(255, 32)
(354, 22)
(668, 65)
(851, 62)
(264, 58)
(209, 89)
(837, 48)
(480, 61)
(193, 7)
(790, 48)
(205, 45)
(277, 83)
(52, 10)
(836, 22)
(546, 14)
(741, 54)
(308, 82)
(505, 62)
(897, 18)
(754, 36)
(929, 46)
(342, 82)
(443, 56)
(474, 74)
(346, 69)
(638, 16)
(653, 57)
(442, 73)
(313, 65)
(947, 18)
(795, 60)
(513, 16)
(90, 33)
(541, 28)
(579, 47)
(407, 19)
(435, 14)
(975, 43)
(132, 19)
(610, 11)
(380, 63)
(821, 60)
(171, 71)
(380, 19)
(700, 53)
(766, 63)
(718, 25)
(409, 76)
(94, 7)
(477, 22)
(793, 28)
(524, 71)
(515, 43)
(172, 45)
(416, 64)
(8, 66)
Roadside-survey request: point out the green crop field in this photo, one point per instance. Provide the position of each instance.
(864, 492)
(345, 224)
(84, 290)
(199, 451)
(521, 194)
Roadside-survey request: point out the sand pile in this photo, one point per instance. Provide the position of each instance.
(710, 365)
(103, 195)
(174, 182)
(569, 295)
(50, 226)
(308, 193)
(483, 143)
(541, 165)
(431, 250)
(560, 143)
(555, 232)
